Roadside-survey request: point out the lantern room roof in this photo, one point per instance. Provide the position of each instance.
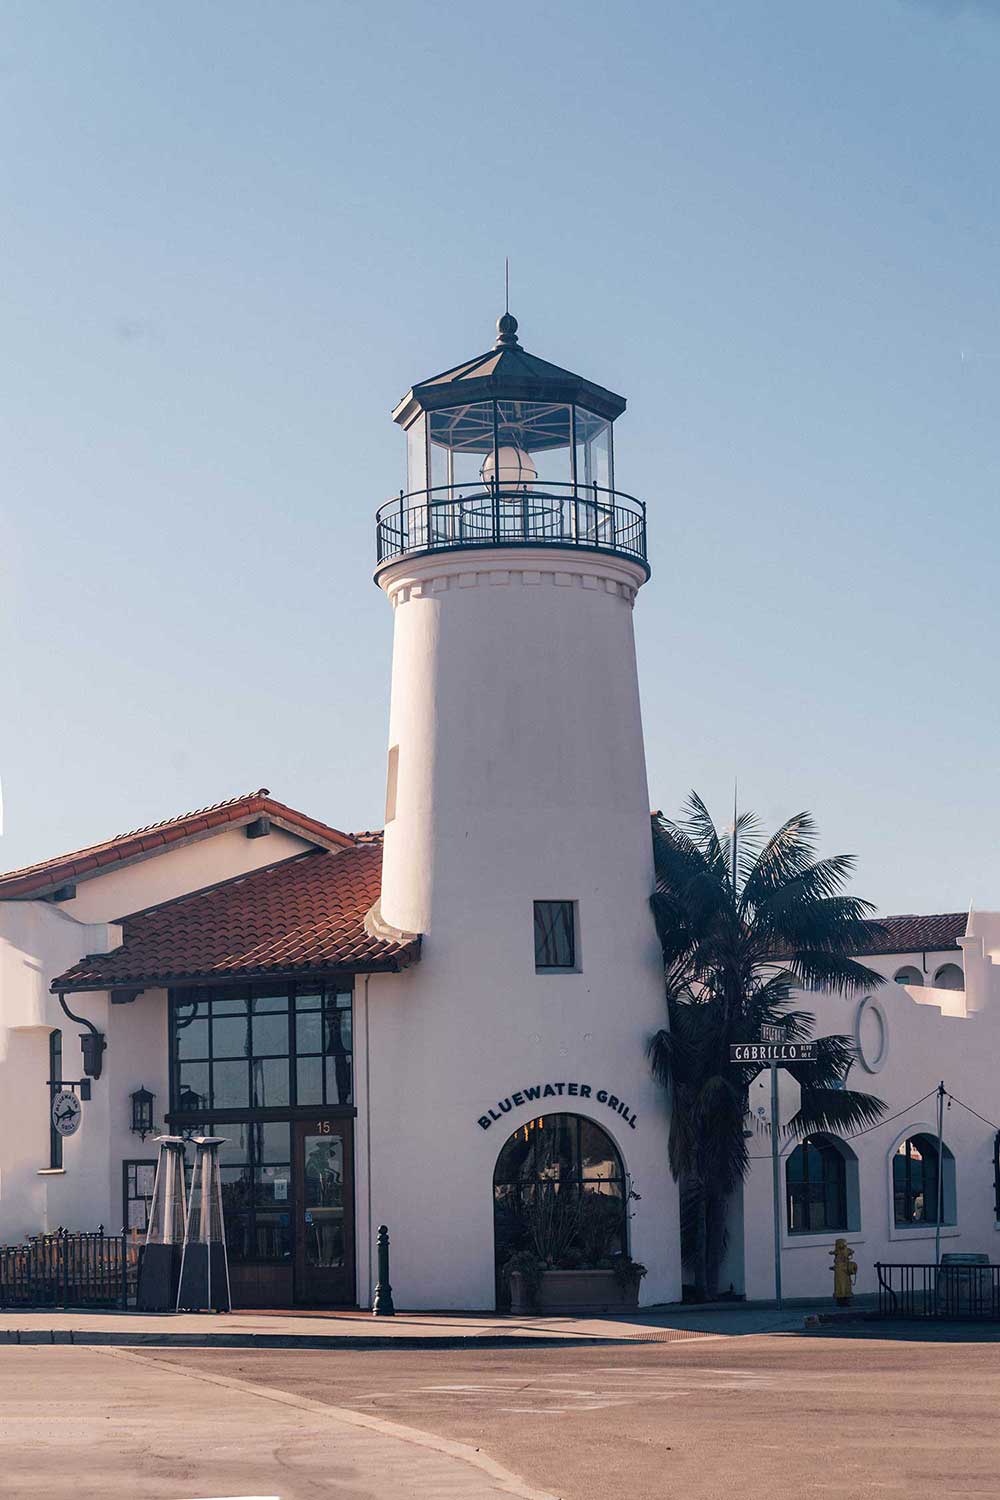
(506, 373)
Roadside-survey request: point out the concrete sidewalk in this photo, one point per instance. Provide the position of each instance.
(359, 1330)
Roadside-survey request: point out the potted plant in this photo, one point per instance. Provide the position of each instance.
(569, 1261)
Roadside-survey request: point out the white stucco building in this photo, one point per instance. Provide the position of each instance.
(418, 1027)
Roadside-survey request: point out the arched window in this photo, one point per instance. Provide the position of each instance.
(559, 1192)
(816, 1187)
(908, 975)
(949, 977)
(915, 1181)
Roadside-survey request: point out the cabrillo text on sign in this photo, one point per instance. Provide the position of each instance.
(558, 1090)
(772, 1052)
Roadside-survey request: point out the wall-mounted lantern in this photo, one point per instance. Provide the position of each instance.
(142, 1112)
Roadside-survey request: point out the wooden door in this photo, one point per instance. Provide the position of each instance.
(324, 1212)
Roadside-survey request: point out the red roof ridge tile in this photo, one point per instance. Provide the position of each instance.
(47, 875)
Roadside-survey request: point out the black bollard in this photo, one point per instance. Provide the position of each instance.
(382, 1305)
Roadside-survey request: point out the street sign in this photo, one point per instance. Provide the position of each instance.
(772, 1052)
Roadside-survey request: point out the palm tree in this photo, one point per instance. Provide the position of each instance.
(743, 921)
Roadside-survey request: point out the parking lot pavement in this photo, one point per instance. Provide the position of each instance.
(78, 1422)
(774, 1417)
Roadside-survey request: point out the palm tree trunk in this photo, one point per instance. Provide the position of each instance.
(701, 1266)
(715, 1240)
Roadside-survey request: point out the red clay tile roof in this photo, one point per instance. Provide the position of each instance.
(915, 934)
(306, 914)
(38, 880)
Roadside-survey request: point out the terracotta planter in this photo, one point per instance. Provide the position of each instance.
(573, 1292)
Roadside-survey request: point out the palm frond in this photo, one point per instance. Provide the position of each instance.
(836, 1111)
(787, 852)
(830, 971)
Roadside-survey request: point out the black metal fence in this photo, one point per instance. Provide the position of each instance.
(945, 1291)
(546, 515)
(68, 1268)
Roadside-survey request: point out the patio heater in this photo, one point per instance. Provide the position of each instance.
(204, 1278)
(160, 1263)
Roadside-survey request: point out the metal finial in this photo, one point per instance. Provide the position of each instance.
(506, 331)
(506, 283)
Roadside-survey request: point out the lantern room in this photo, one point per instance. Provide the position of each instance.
(509, 450)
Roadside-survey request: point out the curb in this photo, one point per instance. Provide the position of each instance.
(126, 1340)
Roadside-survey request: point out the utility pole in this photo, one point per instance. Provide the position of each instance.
(776, 1184)
(940, 1175)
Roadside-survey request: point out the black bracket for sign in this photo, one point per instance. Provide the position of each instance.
(83, 1084)
(92, 1042)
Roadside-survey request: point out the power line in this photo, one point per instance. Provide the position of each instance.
(906, 1109)
(889, 1118)
(961, 1103)
(879, 1123)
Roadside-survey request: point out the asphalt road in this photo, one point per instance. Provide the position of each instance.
(769, 1417)
(692, 1417)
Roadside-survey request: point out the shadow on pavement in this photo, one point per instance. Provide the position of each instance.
(915, 1331)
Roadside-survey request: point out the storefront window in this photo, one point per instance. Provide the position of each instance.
(559, 1193)
(235, 1051)
(255, 1164)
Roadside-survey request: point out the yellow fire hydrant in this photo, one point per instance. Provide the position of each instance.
(845, 1272)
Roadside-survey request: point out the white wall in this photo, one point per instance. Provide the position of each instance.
(39, 940)
(220, 855)
(930, 1037)
(521, 777)
(89, 1192)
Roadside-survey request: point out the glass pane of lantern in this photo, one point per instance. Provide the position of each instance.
(533, 467)
(593, 449)
(540, 429)
(416, 456)
(593, 466)
(460, 439)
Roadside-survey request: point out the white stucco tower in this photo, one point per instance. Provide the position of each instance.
(516, 776)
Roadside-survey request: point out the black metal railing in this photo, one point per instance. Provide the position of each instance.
(68, 1268)
(945, 1291)
(451, 517)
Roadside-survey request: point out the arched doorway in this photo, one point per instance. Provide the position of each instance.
(559, 1193)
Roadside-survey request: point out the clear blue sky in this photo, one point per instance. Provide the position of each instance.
(234, 233)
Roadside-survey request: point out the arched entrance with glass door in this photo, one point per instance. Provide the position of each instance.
(560, 1194)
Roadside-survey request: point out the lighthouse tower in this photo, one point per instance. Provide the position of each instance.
(517, 834)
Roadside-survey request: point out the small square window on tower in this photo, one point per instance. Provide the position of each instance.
(555, 936)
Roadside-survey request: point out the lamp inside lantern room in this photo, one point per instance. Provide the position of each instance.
(142, 1112)
(512, 466)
